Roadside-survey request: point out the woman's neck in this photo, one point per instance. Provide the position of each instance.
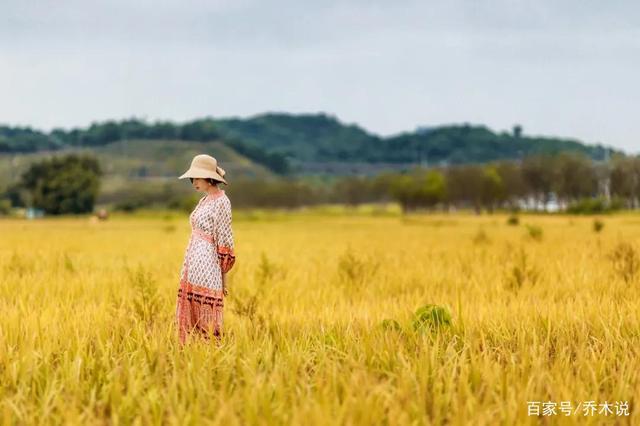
(213, 191)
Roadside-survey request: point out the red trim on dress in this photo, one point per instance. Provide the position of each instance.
(227, 258)
(200, 310)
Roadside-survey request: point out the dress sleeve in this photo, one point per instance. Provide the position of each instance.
(224, 237)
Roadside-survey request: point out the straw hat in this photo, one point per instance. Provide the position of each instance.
(204, 166)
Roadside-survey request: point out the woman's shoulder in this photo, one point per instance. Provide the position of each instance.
(223, 200)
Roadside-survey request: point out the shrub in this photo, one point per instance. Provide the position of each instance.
(598, 225)
(535, 232)
(431, 318)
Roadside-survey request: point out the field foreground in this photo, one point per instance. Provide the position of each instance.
(545, 311)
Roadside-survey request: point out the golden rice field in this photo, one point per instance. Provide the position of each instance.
(545, 313)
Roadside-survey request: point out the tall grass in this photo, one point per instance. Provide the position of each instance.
(87, 333)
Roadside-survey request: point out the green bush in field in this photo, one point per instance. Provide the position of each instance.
(598, 225)
(535, 232)
(431, 318)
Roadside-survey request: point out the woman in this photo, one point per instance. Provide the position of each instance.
(209, 255)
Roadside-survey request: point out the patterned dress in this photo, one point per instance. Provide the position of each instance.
(210, 253)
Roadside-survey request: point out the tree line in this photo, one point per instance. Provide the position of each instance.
(573, 180)
(71, 185)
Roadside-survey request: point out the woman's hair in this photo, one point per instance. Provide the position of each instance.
(210, 180)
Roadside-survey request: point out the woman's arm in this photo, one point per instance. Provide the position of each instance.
(225, 291)
(224, 240)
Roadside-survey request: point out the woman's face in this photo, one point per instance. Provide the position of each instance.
(200, 184)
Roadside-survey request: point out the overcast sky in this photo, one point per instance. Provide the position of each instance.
(565, 67)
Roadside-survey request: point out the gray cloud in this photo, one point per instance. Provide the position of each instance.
(565, 68)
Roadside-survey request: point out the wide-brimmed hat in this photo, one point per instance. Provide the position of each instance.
(204, 166)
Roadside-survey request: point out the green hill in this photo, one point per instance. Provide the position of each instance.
(26, 140)
(303, 137)
(317, 138)
(145, 158)
(285, 143)
(474, 144)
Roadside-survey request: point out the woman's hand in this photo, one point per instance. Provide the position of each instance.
(224, 285)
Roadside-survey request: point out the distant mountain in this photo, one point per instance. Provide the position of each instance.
(319, 137)
(478, 144)
(305, 137)
(302, 143)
